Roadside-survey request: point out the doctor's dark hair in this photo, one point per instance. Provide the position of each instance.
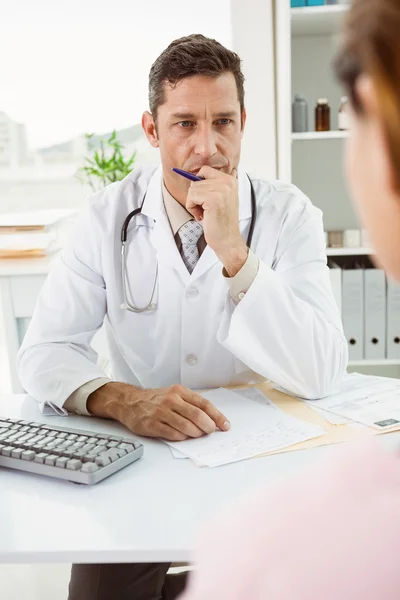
(190, 56)
(371, 46)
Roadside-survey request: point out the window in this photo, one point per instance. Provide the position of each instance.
(83, 68)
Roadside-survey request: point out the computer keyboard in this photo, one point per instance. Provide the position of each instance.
(64, 453)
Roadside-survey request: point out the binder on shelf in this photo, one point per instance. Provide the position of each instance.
(353, 311)
(374, 314)
(335, 273)
(393, 320)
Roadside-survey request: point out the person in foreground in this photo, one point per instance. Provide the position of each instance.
(224, 310)
(333, 532)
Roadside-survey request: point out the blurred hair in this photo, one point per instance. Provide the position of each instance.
(371, 46)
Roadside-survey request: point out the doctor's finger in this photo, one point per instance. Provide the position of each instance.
(166, 432)
(182, 424)
(219, 419)
(196, 416)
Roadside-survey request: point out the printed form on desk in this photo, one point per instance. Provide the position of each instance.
(258, 426)
(372, 401)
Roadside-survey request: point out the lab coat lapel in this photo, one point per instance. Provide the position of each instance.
(208, 259)
(162, 237)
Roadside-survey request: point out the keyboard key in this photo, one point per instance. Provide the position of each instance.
(88, 447)
(90, 468)
(16, 453)
(28, 455)
(112, 444)
(72, 436)
(82, 438)
(62, 435)
(40, 458)
(50, 460)
(62, 462)
(116, 438)
(7, 451)
(127, 447)
(102, 461)
(113, 456)
(5, 425)
(121, 452)
(74, 465)
(102, 442)
(79, 454)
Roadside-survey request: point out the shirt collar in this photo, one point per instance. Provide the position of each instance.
(176, 213)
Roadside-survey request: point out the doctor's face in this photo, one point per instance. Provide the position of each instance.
(200, 123)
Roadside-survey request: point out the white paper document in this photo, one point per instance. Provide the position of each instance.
(372, 401)
(258, 426)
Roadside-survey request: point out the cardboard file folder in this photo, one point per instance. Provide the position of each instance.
(393, 320)
(374, 314)
(353, 311)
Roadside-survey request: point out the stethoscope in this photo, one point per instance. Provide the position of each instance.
(126, 305)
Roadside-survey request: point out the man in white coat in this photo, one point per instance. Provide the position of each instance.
(221, 313)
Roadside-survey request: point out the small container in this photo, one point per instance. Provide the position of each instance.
(365, 241)
(335, 239)
(297, 3)
(315, 2)
(344, 118)
(299, 114)
(322, 115)
(352, 238)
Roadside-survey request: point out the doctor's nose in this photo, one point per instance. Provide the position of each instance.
(205, 144)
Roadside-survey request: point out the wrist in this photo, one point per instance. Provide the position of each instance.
(234, 257)
(107, 402)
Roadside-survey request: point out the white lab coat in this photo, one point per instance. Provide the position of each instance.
(287, 328)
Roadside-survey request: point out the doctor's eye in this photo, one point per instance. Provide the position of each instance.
(185, 124)
(224, 121)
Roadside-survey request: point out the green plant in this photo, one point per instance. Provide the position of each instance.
(106, 164)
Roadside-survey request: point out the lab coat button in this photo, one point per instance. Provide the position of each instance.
(191, 360)
(192, 292)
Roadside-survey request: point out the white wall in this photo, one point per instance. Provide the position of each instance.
(252, 39)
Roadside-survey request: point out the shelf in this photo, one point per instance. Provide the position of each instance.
(349, 252)
(317, 20)
(386, 362)
(310, 136)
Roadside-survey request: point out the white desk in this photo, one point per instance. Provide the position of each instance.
(151, 511)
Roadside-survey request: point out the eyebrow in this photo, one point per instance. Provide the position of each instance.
(220, 115)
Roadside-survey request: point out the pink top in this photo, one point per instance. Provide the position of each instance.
(330, 533)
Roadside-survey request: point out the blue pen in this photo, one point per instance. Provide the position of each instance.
(187, 175)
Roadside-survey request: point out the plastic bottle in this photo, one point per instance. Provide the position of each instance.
(322, 115)
(299, 114)
(344, 120)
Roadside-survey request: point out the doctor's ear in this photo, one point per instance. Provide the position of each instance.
(150, 129)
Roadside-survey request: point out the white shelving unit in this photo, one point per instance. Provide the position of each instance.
(318, 136)
(306, 41)
(349, 252)
(317, 20)
(387, 362)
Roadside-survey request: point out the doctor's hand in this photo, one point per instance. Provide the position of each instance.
(215, 202)
(174, 413)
